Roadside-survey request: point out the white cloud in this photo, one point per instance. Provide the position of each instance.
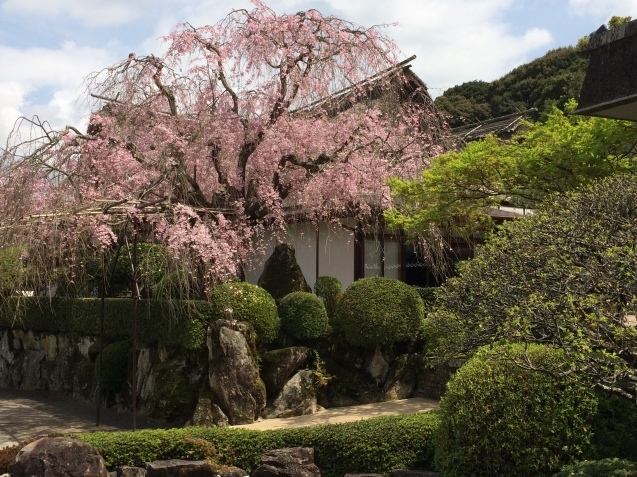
(48, 82)
(605, 8)
(12, 96)
(89, 12)
(455, 40)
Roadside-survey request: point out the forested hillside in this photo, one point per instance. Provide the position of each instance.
(550, 80)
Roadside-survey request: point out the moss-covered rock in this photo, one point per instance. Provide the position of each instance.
(278, 366)
(282, 274)
(234, 373)
(175, 395)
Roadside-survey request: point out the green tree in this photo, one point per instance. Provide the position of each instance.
(617, 21)
(467, 102)
(565, 277)
(550, 80)
(561, 154)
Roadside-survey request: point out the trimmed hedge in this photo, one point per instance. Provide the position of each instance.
(169, 323)
(303, 316)
(244, 301)
(379, 311)
(600, 468)
(328, 289)
(373, 445)
(500, 419)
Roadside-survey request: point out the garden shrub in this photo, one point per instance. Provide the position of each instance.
(328, 289)
(428, 295)
(372, 445)
(114, 367)
(244, 301)
(177, 323)
(600, 468)
(499, 419)
(303, 316)
(12, 271)
(379, 311)
(615, 428)
(152, 264)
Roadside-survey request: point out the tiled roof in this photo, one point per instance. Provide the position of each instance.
(501, 126)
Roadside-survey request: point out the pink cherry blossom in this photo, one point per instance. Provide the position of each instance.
(239, 125)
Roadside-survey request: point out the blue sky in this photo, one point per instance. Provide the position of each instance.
(47, 47)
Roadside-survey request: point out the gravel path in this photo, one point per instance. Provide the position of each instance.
(24, 415)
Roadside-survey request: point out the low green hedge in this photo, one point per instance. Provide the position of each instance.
(373, 445)
(600, 468)
(175, 324)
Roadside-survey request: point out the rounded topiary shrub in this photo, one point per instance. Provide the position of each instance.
(115, 367)
(500, 419)
(303, 316)
(379, 311)
(244, 301)
(328, 289)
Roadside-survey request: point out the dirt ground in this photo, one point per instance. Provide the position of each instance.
(24, 415)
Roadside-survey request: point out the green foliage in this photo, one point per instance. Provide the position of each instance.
(467, 103)
(564, 276)
(499, 419)
(115, 367)
(428, 295)
(303, 316)
(328, 289)
(12, 270)
(152, 265)
(563, 153)
(614, 428)
(551, 80)
(616, 21)
(600, 468)
(372, 445)
(379, 311)
(175, 323)
(243, 301)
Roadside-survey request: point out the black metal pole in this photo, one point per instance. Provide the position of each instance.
(135, 302)
(98, 397)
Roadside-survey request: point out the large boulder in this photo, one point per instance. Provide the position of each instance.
(378, 367)
(282, 274)
(126, 471)
(179, 468)
(59, 457)
(278, 366)
(207, 413)
(402, 378)
(234, 373)
(288, 462)
(297, 398)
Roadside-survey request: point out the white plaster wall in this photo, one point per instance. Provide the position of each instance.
(302, 236)
(336, 253)
(335, 248)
